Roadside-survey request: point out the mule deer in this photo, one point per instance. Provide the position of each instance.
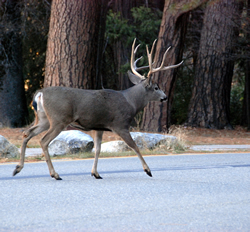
(99, 110)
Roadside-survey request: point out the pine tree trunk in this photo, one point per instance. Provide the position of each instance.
(13, 108)
(157, 115)
(247, 95)
(247, 72)
(210, 102)
(172, 33)
(71, 57)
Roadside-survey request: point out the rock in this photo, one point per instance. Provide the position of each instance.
(70, 142)
(149, 141)
(115, 146)
(7, 149)
(143, 141)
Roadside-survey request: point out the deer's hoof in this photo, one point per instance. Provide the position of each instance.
(17, 169)
(56, 176)
(148, 172)
(97, 176)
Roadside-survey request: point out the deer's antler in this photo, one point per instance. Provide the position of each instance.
(161, 68)
(133, 62)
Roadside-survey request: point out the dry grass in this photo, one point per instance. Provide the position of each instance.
(188, 135)
(178, 145)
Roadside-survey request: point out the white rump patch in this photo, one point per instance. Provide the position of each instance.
(39, 100)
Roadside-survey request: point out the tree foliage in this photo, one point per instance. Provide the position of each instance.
(13, 108)
(35, 27)
(144, 26)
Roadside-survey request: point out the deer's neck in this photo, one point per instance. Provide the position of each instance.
(136, 97)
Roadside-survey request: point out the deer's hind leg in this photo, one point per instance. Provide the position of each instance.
(41, 124)
(125, 135)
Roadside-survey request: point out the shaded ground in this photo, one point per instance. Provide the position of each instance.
(191, 136)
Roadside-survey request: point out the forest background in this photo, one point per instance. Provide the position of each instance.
(87, 44)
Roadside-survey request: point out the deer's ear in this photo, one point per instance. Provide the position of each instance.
(133, 78)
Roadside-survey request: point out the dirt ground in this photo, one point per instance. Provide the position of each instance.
(191, 136)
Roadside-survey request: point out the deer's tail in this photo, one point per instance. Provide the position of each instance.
(38, 102)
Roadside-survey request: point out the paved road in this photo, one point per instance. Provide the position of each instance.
(218, 147)
(187, 193)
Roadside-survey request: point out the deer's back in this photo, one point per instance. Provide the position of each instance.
(92, 109)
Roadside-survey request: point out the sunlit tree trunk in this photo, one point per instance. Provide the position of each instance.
(71, 57)
(210, 102)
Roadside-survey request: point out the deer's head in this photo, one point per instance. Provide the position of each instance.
(155, 93)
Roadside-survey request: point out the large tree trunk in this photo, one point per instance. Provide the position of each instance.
(13, 108)
(172, 33)
(194, 33)
(247, 67)
(210, 102)
(71, 57)
(247, 95)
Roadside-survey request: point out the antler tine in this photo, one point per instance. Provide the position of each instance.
(173, 66)
(136, 47)
(150, 58)
(133, 62)
(163, 60)
(161, 68)
(137, 61)
(139, 68)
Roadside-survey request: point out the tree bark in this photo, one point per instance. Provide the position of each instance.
(13, 108)
(172, 33)
(247, 95)
(247, 72)
(195, 26)
(210, 102)
(71, 57)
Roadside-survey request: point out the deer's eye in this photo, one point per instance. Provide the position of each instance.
(156, 88)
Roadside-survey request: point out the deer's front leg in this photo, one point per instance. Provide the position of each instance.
(47, 138)
(98, 141)
(125, 135)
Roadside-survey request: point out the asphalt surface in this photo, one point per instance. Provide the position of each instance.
(219, 147)
(186, 193)
(201, 148)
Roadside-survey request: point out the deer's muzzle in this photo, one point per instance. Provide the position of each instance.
(164, 99)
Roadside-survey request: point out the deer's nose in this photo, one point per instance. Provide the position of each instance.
(164, 99)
